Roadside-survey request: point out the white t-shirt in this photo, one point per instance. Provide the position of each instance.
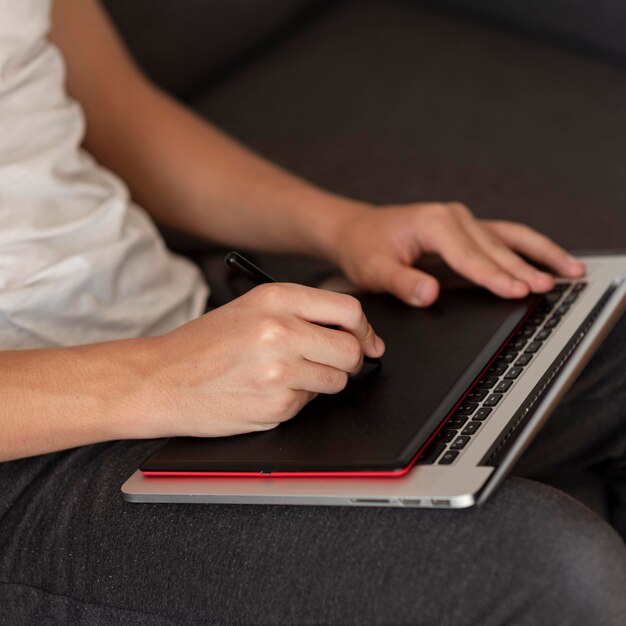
(79, 262)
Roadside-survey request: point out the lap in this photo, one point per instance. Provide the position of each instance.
(71, 546)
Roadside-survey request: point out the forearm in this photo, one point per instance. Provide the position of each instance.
(185, 172)
(193, 177)
(61, 398)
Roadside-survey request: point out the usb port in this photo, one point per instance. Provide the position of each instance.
(440, 502)
(410, 501)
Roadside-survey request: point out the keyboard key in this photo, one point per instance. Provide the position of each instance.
(518, 344)
(493, 399)
(497, 369)
(471, 428)
(466, 408)
(445, 435)
(560, 287)
(448, 457)
(456, 421)
(571, 297)
(503, 386)
(523, 360)
(486, 383)
(545, 306)
(506, 359)
(510, 351)
(432, 452)
(578, 287)
(481, 414)
(553, 298)
(527, 331)
(562, 310)
(478, 395)
(533, 346)
(553, 321)
(459, 443)
(513, 372)
(542, 335)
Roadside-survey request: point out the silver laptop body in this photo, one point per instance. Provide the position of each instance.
(489, 454)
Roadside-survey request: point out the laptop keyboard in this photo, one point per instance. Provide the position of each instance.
(511, 363)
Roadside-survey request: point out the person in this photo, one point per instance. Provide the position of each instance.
(105, 349)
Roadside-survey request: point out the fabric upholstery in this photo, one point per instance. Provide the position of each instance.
(594, 26)
(180, 43)
(390, 102)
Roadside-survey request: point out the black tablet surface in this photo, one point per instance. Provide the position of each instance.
(385, 416)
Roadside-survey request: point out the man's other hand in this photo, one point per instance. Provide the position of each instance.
(377, 248)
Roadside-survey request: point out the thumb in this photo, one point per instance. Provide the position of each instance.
(410, 285)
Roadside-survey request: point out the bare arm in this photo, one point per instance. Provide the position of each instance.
(245, 367)
(61, 398)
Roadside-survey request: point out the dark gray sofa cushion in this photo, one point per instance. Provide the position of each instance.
(181, 43)
(594, 26)
(390, 102)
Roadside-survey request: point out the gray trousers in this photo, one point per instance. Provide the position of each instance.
(73, 552)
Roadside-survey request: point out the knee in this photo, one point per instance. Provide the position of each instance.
(574, 563)
(589, 566)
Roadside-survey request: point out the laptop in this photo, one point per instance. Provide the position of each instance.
(463, 388)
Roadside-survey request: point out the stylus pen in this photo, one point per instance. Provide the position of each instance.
(239, 263)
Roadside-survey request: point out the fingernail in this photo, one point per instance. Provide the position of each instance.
(519, 287)
(421, 293)
(578, 267)
(379, 345)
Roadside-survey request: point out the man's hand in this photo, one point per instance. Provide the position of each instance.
(246, 366)
(376, 248)
(253, 363)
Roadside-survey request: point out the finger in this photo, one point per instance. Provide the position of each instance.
(318, 378)
(537, 247)
(538, 281)
(322, 307)
(406, 283)
(467, 258)
(335, 348)
(514, 264)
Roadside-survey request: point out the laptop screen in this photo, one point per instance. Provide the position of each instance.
(387, 413)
